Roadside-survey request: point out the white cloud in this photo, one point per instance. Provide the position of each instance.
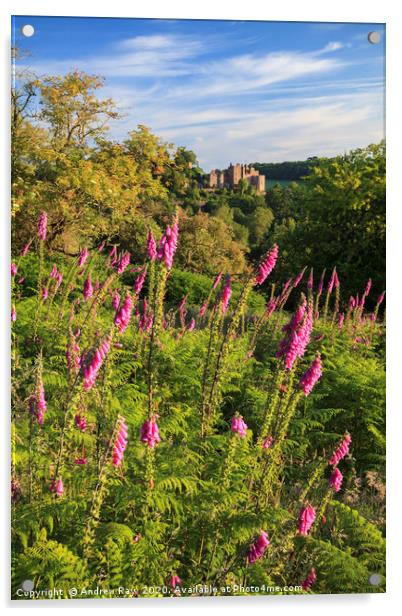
(245, 107)
(332, 46)
(143, 56)
(323, 126)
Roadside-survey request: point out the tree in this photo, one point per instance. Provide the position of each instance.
(72, 111)
(207, 246)
(259, 223)
(341, 219)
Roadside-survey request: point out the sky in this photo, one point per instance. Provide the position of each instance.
(232, 91)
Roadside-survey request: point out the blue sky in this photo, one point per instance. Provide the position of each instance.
(233, 91)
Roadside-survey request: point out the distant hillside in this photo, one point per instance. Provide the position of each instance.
(290, 170)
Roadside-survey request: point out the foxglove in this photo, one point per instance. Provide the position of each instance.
(266, 267)
(310, 580)
(335, 481)
(258, 548)
(341, 450)
(123, 314)
(238, 425)
(311, 376)
(151, 246)
(88, 288)
(42, 226)
(150, 432)
(91, 363)
(306, 519)
(226, 295)
(120, 443)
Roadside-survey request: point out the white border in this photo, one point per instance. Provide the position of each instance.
(369, 11)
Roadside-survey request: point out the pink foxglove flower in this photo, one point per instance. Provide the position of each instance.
(381, 298)
(258, 548)
(123, 262)
(53, 271)
(267, 443)
(13, 314)
(15, 490)
(168, 245)
(238, 425)
(175, 581)
(92, 362)
(42, 226)
(266, 267)
(306, 519)
(352, 302)
(146, 321)
(116, 300)
(80, 422)
(45, 293)
(217, 281)
(311, 376)
(341, 319)
(203, 308)
(83, 256)
(120, 443)
(139, 281)
(341, 450)
(368, 287)
(26, 248)
(101, 246)
(80, 461)
(151, 246)
(150, 433)
(73, 354)
(226, 295)
(123, 314)
(57, 487)
(335, 481)
(13, 269)
(299, 278)
(332, 281)
(271, 307)
(88, 288)
(191, 325)
(58, 282)
(39, 414)
(321, 283)
(37, 402)
(113, 256)
(298, 333)
(297, 318)
(310, 580)
(336, 280)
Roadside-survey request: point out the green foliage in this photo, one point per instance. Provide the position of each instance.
(341, 220)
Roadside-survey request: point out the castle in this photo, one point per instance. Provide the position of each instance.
(231, 177)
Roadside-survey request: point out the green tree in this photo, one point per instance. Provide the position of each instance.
(341, 220)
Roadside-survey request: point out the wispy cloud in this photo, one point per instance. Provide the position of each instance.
(142, 56)
(242, 102)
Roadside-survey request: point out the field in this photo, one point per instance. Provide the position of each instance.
(175, 448)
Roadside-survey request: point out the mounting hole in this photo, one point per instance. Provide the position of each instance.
(27, 585)
(28, 30)
(373, 37)
(375, 579)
